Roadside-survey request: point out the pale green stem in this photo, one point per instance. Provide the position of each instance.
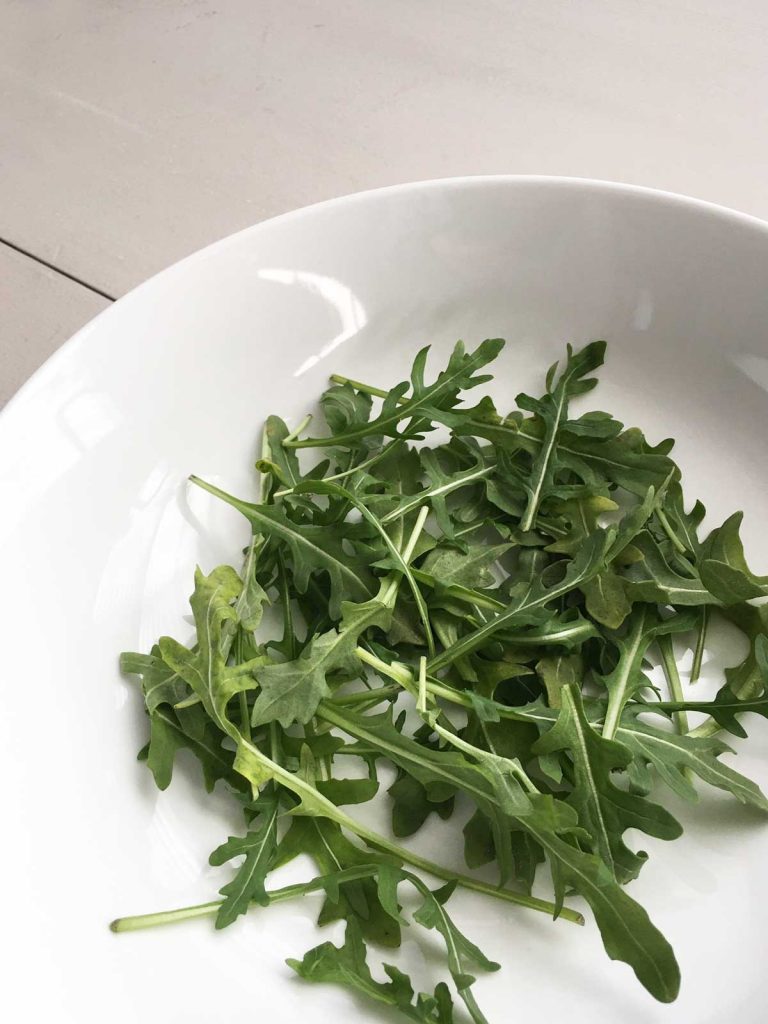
(421, 703)
(400, 673)
(676, 542)
(410, 547)
(288, 892)
(674, 683)
(705, 730)
(364, 696)
(467, 748)
(701, 639)
(266, 478)
(617, 696)
(245, 715)
(353, 469)
(299, 429)
(366, 389)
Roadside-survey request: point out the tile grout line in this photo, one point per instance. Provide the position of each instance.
(57, 270)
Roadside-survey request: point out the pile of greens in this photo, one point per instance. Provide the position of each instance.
(476, 615)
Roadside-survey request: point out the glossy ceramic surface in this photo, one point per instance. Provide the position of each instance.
(99, 535)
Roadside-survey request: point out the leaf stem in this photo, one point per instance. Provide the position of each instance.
(298, 429)
(287, 892)
(617, 696)
(672, 674)
(410, 547)
(701, 639)
(676, 542)
(363, 696)
(366, 389)
(266, 479)
(353, 469)
(421, 703)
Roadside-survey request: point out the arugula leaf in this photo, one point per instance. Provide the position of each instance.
(552, 410)
(311, 549)
(204, 670)
(627, 677)
(653, 579)
(347, 965)
(670, 754)
(441, 485)
(460, 374)
(586, 565)
(605, 810)
(159, 683)
(449, 566)
(606, 597)
(724, 570)
(291, 691)
(259, 847)
(462, 953)
(332, 852)
(171, 731)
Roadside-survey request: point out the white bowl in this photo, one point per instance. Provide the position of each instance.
(99, 537)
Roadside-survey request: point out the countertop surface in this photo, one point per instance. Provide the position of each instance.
(133, 133)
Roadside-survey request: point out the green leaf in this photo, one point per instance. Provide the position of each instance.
(159, 683)
(462, 954)
(347, 965)
(204, 670)
(534, 596)
(643, 626)
(685, 525)
(557, 671)
(604, 810)
(552, 409)
(249, 606)
(411, 805)
(291, 691)
(574, 520)
(606, 599)
(671, 754)
(259, 846)
(626, 930)
(724, 570)
(653, 579)
(728, 703)
(747, 680)
(312, 549)
(332, 852)
(398, 560)
(348, 791)
(449, 566)
(282, 463)
(441, 484)
(460, 374)
(345, 408)
(171, 731)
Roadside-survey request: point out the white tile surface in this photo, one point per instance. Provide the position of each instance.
(132, 133)
(40, 310)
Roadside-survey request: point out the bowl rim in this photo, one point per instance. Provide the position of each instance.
(725, 214)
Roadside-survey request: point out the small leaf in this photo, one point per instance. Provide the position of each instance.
(606, 599)
(604, 810)
(724, 570)
(259, 847)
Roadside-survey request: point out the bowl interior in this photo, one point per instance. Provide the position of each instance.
(100, 533)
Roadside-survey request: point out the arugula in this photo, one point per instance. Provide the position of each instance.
(470, 602)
